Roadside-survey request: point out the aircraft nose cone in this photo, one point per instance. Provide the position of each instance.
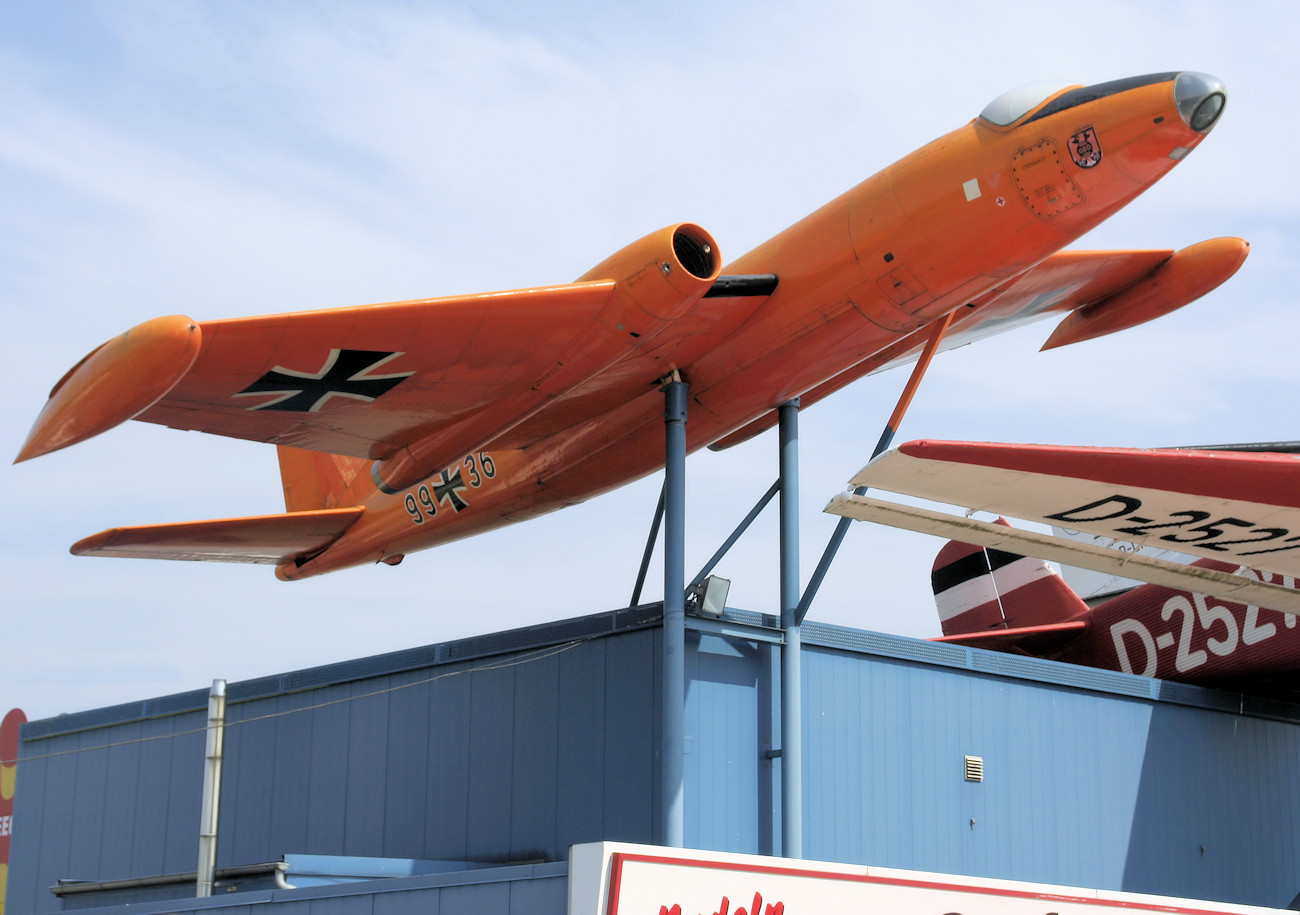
(1200, 98)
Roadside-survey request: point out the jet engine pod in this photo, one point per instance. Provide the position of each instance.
(656, 279)
(664, 273)
(1185, 277)
(119, 380)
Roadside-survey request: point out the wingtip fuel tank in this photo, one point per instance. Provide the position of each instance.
(1186, 276)
(119, 380)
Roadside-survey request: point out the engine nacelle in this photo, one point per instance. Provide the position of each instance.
(656, 279)
(664, 273)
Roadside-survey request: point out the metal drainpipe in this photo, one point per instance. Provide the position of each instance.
(674, 649)
(791, 666)
(211, 789)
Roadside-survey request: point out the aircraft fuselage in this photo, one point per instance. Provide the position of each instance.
(928, 235)
(1179, 635)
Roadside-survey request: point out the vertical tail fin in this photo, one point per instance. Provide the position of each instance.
(976, 589)
(314, 479)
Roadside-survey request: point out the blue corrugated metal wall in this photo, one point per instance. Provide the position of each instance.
(728, 779)
(515, 746)
(508, 758)
(82, 812)
(885, 745)
(1081, 787)
(1091, 778)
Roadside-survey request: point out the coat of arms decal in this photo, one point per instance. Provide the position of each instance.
(1085, 149)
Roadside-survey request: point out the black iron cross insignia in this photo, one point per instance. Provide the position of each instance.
(449, 490)
(346, 373)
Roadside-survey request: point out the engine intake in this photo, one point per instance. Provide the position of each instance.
(697, 255)
(662, 274)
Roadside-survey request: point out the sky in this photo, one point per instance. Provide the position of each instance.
(239, 158)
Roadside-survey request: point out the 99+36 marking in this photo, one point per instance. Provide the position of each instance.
(450, 488)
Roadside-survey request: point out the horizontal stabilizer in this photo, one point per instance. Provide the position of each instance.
(1239, 588)
(266, 539)
(1033, 639)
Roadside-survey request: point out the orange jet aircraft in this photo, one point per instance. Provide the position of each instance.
(409, 424)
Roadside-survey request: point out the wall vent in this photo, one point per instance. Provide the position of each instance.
(974, 768)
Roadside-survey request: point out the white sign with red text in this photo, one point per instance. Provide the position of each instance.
(614, 878)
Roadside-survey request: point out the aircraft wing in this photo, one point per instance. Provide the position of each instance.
(1243, 589)
(1230, 506)
(267, 539)
(355, 381)
(1103, 291)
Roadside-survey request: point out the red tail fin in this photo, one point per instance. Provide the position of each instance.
(314, 479)
(976, 589)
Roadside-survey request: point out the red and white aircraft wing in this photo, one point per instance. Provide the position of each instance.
(1244, 588)
(1229, 506)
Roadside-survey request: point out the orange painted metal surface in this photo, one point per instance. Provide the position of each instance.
(116, 382)
(1186, 276)
(262, 538)
(447, 417)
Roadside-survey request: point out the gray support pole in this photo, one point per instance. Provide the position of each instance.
(736, 534)
(791, 668)
(649, 550)
(211, 789)
(837, 537)
(674, 671)
(937, 330)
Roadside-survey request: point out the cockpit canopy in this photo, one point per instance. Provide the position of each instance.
(1200, 98)
(1013, 105)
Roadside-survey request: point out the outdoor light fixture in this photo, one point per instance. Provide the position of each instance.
(709, 597)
